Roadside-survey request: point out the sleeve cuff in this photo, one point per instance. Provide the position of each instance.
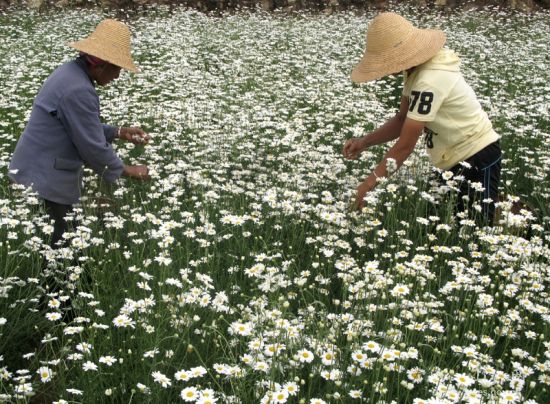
(110, 132)
(113, 173)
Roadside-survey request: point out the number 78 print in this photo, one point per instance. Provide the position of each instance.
(425, 104)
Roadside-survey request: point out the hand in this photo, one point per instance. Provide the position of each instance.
(134, 135)
(362, 190)
(354, 147)
(140, 172)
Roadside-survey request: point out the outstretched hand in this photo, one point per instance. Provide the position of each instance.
(134, 135)
(359, 202)
(362, 190)
(139, 172)
(353, 148)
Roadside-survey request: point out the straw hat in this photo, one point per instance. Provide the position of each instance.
(394, 45)
(111, 42)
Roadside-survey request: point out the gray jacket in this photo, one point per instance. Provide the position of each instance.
(63, 133)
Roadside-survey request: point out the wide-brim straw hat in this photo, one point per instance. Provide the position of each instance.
(110, 42)
(394, 45)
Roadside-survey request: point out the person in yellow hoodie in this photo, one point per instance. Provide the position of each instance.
(437, 101)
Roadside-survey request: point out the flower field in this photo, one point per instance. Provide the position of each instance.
(238, 273)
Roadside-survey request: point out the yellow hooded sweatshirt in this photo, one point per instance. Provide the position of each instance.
(456, 125)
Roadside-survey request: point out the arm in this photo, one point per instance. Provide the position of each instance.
(80, 117)
(79, 114)
(400, 151)
(387, 132)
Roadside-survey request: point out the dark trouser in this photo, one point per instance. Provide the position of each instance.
(55, 281)
(57, 212)
(484, 168)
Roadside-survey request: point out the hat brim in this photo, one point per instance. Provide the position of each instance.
(112, 56)
(419, 48)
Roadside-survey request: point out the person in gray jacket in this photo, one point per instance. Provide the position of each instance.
(64, 131)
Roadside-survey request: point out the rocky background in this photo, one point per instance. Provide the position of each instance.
(287, 5)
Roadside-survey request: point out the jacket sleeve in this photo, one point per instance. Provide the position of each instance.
(109, 131)
(79, 114)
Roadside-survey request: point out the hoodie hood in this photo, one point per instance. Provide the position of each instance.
(445, 59)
